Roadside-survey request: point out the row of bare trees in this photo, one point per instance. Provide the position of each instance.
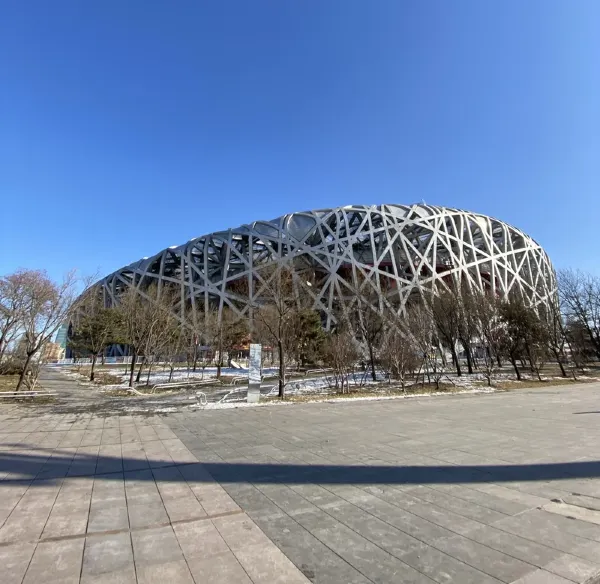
(433, 334)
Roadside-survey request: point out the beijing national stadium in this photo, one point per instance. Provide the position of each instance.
(399, 250)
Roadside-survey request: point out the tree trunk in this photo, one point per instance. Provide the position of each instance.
(139, 373)
(195, 357)
(132, 368)
(220, 360)
(562, 368)
(148, 374)
(468, 356)
(171, 373)
(372, 358)
(92, 372)
(281, 369)
(24, 372)
(456, 362)
(532, 368)
(514, 364)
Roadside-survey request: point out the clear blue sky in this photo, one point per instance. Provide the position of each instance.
(126, 127)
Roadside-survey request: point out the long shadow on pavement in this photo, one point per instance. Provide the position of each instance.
(57, 464)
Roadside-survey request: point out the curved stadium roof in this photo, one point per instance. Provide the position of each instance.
(397, 249)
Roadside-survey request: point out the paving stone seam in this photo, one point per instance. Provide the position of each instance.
(117, 531)
(234, 554)
(467, 536)
(325, 544)
(439, 506)
(430, 544)
(302, 527)
(409, 534)
(503, 551)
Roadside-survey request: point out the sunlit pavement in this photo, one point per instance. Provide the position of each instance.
(119, 499)
(445, 489)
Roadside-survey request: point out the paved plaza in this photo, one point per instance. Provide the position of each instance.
(465, 489)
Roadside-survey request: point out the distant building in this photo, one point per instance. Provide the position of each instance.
(53, 352)
(61, 339)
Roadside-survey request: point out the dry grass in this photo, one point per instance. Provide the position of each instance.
(536, 383)
(118, 393)
(101, 377)
(8, 382)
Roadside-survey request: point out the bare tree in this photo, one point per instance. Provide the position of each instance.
(446, 310)
(399, 353)
(94, 327)
(524, 336)
(282, 296)
(175, 344)
(468, 323)
(491, 332)
(419, 321)
(368, 320)
(554, 331)
(147, 322)
(46, 306)
(580, 347)
(14, 298)
(224, 333)
(340, 352)
(580, 299)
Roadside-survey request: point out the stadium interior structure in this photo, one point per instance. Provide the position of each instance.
(396, 250)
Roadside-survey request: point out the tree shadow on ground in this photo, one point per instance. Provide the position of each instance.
(42, 466)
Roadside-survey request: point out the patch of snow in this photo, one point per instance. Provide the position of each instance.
(231, 405)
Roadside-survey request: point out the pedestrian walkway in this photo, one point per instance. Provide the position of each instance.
(448, 489)
(119, 499)
(501, 488)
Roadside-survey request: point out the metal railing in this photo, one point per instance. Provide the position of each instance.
(30, 393)
(182, 383)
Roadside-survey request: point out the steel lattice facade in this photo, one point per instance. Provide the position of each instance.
(398, 250)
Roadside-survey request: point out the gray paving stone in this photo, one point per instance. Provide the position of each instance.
(523, 549)
(55, 561)
(458, 506)
(573, 568)
(490, 561)
(527, 526)
(199, 539)
(382, 534)
(66, 520)
(239, 531)
(156, 546)
(183, 507)
(176, 572)
(222, 568)
(437, 515)
(107, 553)
(360, 553)
(443, 568)
(266, 564)
(14, 560)
(146, 514)
(286, 499)
(542, 577)
(315, 560)
(107, 516)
